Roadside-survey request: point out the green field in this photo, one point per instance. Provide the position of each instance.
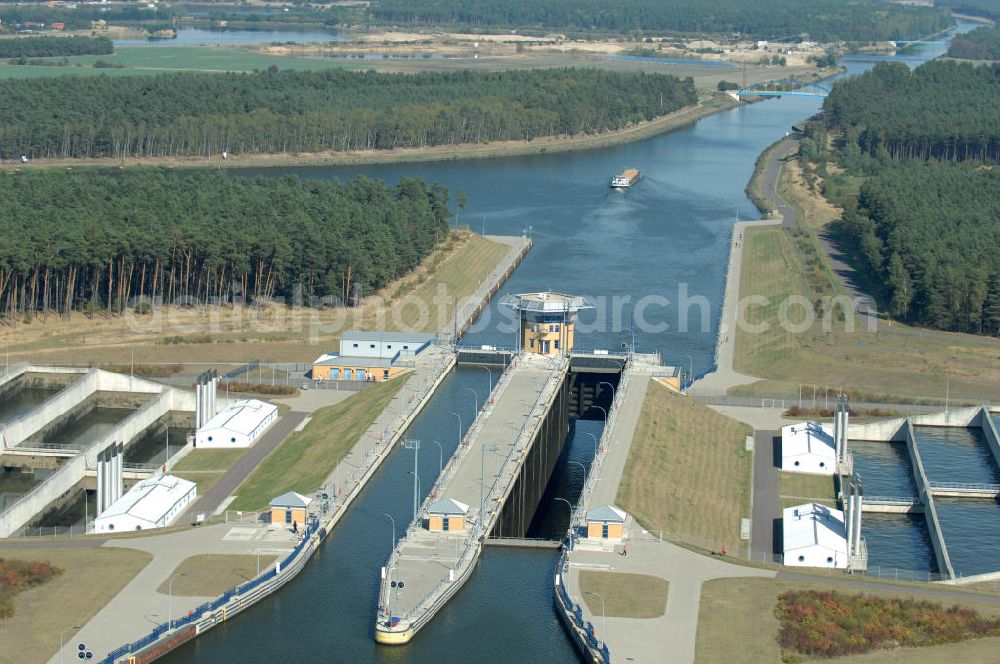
(306, 458)
(158, 59)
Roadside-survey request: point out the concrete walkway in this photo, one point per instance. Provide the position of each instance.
(140, 606)
(724, 376)
(670, 637)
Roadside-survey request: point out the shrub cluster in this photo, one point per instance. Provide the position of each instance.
(18, 575)
(832, 624)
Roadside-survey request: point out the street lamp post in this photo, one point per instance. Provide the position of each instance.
(571, 510)
(582, 467)
(389, 516)
(604, 634)
(614, 392)
(440, 457)
(170, 599)
(595, 442)
(415, 446)
(475, 408)
(62, 634)
(490, 372)
(605, 414)
(459, 418)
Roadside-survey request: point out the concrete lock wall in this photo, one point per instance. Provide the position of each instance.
(985, 421)
(954, 417)
(930, 512)
(19, 430)
(891, 430)
(20, 513)
(132, 426)
(521, 503)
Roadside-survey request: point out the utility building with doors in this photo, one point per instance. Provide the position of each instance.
(370, 356)
(290, 508)
(606, 522)
(446, 515)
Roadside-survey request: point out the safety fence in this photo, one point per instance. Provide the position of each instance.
(232, 601)
(571, 613)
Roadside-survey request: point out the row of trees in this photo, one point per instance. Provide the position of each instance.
(985, 8)
(45, 47)
(928, 231)
(80, 17)
(940, 110)
(824, 20)
(203, 114)
(980, 44)
(98, 240)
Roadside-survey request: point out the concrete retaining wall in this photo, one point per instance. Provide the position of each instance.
(930, 512)
(27, 506)
(132, 426)
(954, 417)
(990, 431)
(18, 431)
(891, 430)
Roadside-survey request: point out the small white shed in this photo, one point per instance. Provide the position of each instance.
(151, 503)
(814, 536)
(237, 425)
(808, 447)
(385, 345)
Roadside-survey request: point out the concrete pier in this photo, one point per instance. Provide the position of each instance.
(926, 497)
(500, 464)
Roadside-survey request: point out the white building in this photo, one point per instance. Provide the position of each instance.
(808, 447)
(152, 503)
(385, 345)
(815, 536)
(239, 424)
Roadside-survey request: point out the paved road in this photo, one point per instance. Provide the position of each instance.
(766, 484)
(210, 501)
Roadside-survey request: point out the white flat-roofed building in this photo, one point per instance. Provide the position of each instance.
(239, 424)
(808, 447)
(814, 536)
(151, 503)
(383, 345)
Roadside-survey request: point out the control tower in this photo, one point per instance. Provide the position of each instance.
(546, 320)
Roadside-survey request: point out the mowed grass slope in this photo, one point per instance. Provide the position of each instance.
(91, 577)
(736, 623)
(838, 354)
(687, 472)
(306, 458)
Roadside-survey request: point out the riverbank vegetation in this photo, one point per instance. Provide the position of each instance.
(96, 241)
(831, 624)
(45, 47)
(988, 9)
(276, 112)
(688, 472)
(826, 20)
(980, 44)
(16, 576)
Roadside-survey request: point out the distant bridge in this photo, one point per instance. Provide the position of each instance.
(806, 90)
(911, 42)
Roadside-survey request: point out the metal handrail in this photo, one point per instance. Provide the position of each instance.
(965, 486)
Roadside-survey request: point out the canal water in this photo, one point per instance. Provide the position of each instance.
(971, 531)
(956, 454)
(83, 431)
(23, 400)
(227, 37)
(665, 240)
(152, 446)
(895, 541)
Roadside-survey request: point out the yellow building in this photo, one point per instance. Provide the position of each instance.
(290, 508)
(547, 320)
(446, 515)
(606, 522)
(338, 367)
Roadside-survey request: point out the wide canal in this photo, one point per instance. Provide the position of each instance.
(664, 240)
